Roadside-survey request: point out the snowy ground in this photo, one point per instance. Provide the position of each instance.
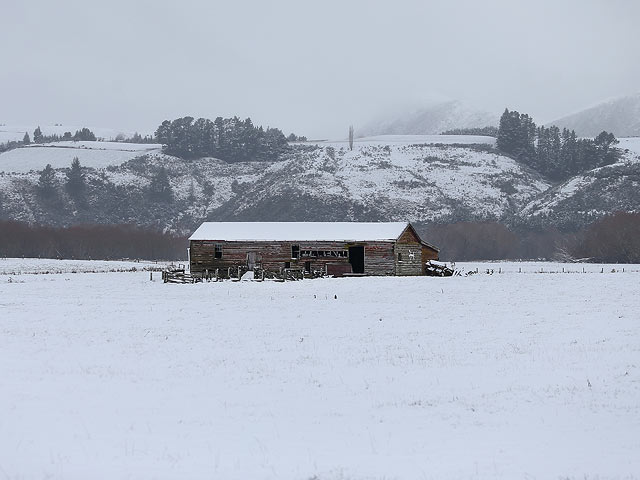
(630, 143)
(36, 266)
(510, 375)
(61, 154)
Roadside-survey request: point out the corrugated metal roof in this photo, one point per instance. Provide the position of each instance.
(299, 231)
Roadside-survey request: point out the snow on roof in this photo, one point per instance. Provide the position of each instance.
(298, 231)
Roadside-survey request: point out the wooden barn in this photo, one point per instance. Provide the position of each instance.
(334, 248)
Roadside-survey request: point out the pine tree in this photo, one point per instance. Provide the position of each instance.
(569, 153)
(47, 181)
(75, 179)
(26, 140)
(37, 135)
(160, 188)
(502, 142)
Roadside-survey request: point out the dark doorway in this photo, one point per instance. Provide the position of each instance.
(356, 258)
(251, 260)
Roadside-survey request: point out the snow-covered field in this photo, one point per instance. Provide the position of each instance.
(630, 143)
(511, 375)
(37, 266)
(61, 154)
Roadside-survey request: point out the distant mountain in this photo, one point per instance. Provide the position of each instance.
(431, 120)
(620, 116)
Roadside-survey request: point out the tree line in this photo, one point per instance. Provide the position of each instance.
(135, 138)
(614, 238)
(480, 131)
(104, 242)
(556, 154)
(229, 139)
(82, 135)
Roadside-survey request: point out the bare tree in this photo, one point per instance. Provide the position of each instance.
(350, 137)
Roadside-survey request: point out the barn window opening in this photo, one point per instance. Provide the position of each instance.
(307, 267)
(322, 253)
(295, 251)
(218, 250)
(287, 264)
(399, 257)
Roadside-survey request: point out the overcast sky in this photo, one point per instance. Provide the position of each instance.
(308, 67)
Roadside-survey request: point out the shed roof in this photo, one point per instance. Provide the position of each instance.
(299, 231)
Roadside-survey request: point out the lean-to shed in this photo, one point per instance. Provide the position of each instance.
(391, 248)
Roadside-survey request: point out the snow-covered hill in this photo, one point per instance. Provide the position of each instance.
(588, 196)
(620, 116)
(60, 155)
(415, 182)
(430, 120)
(415, 178)
(378, 180)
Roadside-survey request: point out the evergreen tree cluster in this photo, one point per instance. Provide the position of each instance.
(135, 138)
(481, 131)
(230, 139)
(296, 138)
(82, 135)
(556, 154)
(11, 144)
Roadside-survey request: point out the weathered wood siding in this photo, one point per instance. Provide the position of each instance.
(272, 256)
(408, 254)
(429, 253)
(379, 258)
